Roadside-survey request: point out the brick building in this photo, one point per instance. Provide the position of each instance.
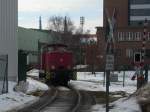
(88, 47)
(90, 50)
(130, 17)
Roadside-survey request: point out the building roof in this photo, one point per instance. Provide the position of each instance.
(28, 38)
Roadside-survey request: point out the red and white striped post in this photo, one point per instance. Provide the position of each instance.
(144, 43)
(140, 76)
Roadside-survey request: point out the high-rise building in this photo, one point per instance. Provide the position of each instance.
(130, 12)
(139, 10)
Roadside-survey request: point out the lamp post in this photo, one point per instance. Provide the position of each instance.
(82, 19)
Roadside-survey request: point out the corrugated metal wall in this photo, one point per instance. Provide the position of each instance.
(8, 34)
(28, 41)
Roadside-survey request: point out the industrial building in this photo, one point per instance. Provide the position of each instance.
(8, 39)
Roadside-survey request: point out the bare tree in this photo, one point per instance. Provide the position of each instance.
(61, 24)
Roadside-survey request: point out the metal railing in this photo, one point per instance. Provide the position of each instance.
(3, 74)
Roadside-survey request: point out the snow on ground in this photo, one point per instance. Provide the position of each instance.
(121, 105)
(36, 86)
(13, 99)
(91, 82)
(86, 81)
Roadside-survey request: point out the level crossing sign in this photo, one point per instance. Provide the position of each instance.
(109, 62)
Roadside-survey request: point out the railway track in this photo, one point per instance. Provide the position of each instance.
(62, 101)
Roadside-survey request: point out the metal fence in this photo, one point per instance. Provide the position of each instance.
(3, 74)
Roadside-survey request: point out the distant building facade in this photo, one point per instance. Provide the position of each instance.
(129, 32)
(88, 51)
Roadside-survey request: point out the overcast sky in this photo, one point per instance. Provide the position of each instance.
(30, 10)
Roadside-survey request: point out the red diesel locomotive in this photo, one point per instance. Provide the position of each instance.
(57, 63)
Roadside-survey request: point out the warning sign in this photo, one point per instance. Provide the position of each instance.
(109, 62)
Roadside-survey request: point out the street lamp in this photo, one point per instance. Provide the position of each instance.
(82, 19)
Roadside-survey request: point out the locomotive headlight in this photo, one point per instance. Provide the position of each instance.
(61, 60)
(52, 67)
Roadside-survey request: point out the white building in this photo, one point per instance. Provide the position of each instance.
(8, 35)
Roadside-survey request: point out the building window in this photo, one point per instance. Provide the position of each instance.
(126, 36)
(132, 36)
(147, 53)
(129, 53)
(129, 35)
(118, 52)
(139, 12)
(120, 36)
(139, 1)
(138, 36)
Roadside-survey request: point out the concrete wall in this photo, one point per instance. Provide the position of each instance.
(8, 35)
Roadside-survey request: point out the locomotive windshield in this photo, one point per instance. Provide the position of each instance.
(55, 47)
(50, 49)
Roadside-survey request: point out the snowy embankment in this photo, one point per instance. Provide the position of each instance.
(121, 105)
(15, 100)
(36, 86)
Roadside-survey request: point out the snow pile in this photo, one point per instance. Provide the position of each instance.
(33, 72)
(36, 86)
(126, 105)
(143, 97)
(122, 105)
(14, 100)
